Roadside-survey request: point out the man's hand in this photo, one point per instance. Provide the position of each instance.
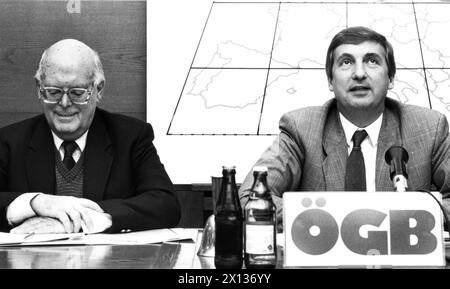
(70, 211)
(39, 225)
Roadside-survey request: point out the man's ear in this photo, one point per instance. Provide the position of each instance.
(391, 83)
(38, 85)
(100, 89)
(330, 85)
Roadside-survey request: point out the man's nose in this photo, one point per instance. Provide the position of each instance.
(65, 100)
(359, 71)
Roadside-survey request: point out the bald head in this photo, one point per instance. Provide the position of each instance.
(70, 55)
(69, 69)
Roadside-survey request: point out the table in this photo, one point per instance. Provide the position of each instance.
(91, 257)
(167, 255)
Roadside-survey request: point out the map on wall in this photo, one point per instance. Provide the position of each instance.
(256, 61)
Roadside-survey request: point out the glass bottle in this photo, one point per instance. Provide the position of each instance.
(228, 222)
(260, 225)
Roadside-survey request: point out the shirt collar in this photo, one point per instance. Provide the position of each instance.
(81, 141)
(373, 130)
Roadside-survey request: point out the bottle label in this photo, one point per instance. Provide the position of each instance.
(259, 239)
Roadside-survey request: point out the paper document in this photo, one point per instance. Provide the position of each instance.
(17, 239)
(142, 237)
(133, 238)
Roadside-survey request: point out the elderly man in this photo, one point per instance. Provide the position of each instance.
(77, 167)
(341, 145)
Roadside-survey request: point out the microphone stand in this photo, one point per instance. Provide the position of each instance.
(396, 157)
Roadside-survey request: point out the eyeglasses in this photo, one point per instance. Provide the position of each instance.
(54, 95)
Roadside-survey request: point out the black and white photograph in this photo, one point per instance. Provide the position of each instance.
(235, 137)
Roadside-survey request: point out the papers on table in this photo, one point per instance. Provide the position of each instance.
(133, 238)
(19, 239)
(142, 237)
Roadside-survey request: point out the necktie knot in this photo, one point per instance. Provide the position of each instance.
(69, 148)
(358, 138)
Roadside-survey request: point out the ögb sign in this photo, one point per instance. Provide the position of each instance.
(362, 229)
(376, 241)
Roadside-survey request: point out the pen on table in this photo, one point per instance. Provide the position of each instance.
(29, 235)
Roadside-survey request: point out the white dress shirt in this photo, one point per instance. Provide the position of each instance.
(20, 209)
(81, 142)
(368, 146)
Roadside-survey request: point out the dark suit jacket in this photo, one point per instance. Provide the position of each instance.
(310, 153)
(122, 170)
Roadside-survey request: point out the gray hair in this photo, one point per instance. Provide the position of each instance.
(98, 74)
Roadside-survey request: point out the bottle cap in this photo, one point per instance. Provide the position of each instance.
(260, 169)
(229, 167)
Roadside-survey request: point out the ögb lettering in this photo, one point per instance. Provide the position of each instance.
(316, 232)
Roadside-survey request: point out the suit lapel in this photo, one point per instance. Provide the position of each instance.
(40, 159)
(389, 135)
(97, 159)
(335, 148)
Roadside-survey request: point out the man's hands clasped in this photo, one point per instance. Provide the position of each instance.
(68, 211)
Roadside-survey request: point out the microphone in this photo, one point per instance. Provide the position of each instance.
(396, 157)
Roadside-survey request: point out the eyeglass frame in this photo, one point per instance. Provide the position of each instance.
(65, 92)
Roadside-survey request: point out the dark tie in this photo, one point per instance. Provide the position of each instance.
(69, 148)
(355, 175)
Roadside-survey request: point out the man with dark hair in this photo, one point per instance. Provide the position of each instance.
(77, 167)
(318, 148)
